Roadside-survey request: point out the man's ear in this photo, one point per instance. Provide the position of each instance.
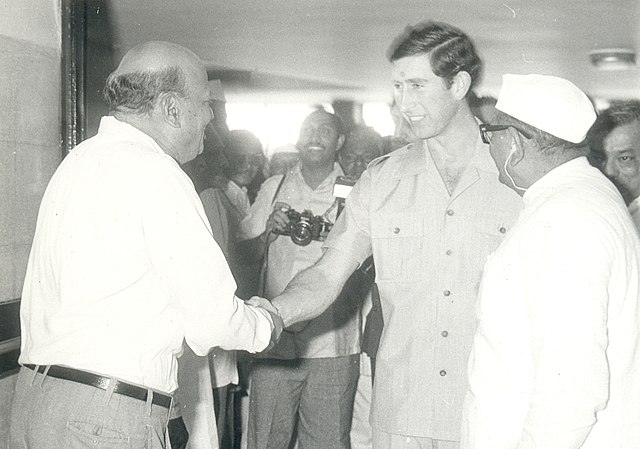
(340, 142)
(170, 109)
(460, 84)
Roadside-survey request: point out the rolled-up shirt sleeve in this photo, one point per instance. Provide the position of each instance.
(254, 223)
(351, 232)
(184, 255)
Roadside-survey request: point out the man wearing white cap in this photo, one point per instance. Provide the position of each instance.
(555, 357)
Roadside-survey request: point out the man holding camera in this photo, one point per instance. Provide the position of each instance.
(310, 376)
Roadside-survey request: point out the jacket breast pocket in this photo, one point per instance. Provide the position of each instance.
(490, 232)
(398, 242)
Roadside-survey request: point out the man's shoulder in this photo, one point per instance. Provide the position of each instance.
(396, 156)
(404, 161)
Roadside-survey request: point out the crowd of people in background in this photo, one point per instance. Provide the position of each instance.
(469, 282)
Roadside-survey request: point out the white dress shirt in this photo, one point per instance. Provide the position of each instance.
(124, 268)
(556, 359)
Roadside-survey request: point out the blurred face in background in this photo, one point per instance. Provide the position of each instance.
(245, 156)
(360, 148)
(212, 163)
(247, 170)
(622, 159)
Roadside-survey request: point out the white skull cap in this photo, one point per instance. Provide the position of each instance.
(549, 103)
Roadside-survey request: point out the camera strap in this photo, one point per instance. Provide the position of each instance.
(336, 203)
(275, 195)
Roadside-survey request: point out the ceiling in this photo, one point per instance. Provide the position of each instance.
(327, 49)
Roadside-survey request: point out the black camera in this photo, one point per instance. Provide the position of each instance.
(305, 227)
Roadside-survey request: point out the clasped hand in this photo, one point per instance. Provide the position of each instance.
(278, 324)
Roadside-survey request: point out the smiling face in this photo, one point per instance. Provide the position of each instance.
(319, 139)
(423, 98)
(197, 113)
(622, 159)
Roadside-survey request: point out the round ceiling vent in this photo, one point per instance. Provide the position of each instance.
(613, 58)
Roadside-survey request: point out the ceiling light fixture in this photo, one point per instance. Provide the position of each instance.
(613, 58)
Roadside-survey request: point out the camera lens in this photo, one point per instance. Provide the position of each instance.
(301, 233)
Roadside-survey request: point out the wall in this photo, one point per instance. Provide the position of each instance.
(29, 142)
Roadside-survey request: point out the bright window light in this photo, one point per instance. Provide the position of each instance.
(277, 125)
(378, 116)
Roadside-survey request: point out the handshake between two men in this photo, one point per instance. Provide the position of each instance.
(276, 319)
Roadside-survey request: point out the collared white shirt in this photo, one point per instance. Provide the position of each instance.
(124, 267)
(429, 248)
(336, 332)
(555, 361)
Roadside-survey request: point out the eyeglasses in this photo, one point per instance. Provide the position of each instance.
(486, 130)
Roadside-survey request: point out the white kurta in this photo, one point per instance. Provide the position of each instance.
(556, 361)
(124, 267)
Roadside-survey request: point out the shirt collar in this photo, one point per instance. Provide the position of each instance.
(416, 159)
(124, 131)
(554, 179)
(330, 179)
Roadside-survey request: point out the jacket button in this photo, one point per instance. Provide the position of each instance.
(443, 373)
(450, 212)
(444, 334)
(396, 230)
(446, 293)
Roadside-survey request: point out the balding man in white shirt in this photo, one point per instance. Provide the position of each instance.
(555, 358)
(124, 268)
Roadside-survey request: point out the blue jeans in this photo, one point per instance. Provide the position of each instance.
(317, 393)
(50, 413)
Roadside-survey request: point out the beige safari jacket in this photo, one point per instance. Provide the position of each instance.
(429, 249)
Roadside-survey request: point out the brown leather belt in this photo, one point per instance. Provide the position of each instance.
(102, 382)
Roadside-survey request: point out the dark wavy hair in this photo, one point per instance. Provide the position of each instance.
(618, 114)
(137, 92)
(450, 50)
